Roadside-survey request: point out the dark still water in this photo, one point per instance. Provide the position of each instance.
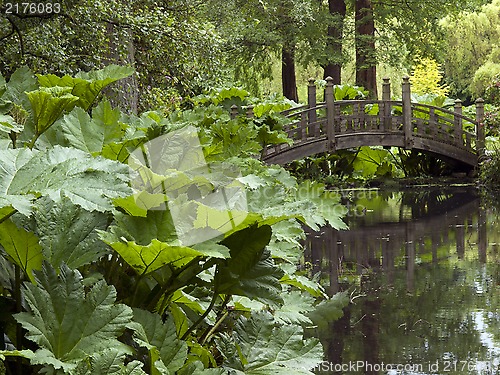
(423, 270)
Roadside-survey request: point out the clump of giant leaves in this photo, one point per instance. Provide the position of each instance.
(98, 277)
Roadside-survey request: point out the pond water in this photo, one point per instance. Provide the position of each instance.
(422, 268)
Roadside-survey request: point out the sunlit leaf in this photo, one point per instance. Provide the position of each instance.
(22, 246)
(148, 258)
(86, 181)
(86, 86)
(48, 105)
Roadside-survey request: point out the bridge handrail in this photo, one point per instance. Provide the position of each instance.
(445, 110)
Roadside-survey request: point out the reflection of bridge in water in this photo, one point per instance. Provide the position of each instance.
(435, 222)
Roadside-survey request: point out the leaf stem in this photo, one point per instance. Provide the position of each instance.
(19, 330)
(168, 288)
(210, 331)
(205, 314)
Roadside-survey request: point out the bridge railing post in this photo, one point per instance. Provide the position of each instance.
(330, 114)
(480, 133)
(458, 123)
(311, 100)
(234, 111)
(386, 97)
(407, 125)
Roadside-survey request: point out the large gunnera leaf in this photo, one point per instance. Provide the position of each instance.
(87, 86)
(22, 247)
(69, 324)
(259, 346)
(67, 232)
(250, 271)
(88, 182)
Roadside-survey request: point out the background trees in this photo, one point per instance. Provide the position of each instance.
(180, 48)
(473, 36)
(173, 50)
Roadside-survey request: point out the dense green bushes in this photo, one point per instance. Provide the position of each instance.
(151, 244)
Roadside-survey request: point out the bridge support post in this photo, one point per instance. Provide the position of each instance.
(407, 125)
(386, 97)
(311, 100)
(330, 114)
(480, 134)
(458, 123)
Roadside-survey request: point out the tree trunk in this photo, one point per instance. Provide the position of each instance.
(366, 61)
(124, 93)
(333, 69)
(289, 83)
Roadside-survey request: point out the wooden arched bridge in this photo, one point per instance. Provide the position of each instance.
(335, 125)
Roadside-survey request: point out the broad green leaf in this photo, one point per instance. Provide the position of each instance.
(369, 159)
(92, 134)
(285, 242)
(243, 303)
(22, 246)
(252, 181)
(48, 105)
(68, 232)
(166, 350)
(181, 298)
(155, 225)
(148, 258)
(57, 172)
(250, 271)
(87, 86)
(212, 249)
(69, 323)
(138, 204)
(295, 308)
(325, 205)
(301, 282)
(21, 81)
(328, 311)
(81, 132)
(262, 347)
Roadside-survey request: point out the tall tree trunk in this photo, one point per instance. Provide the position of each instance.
(366, 61)
(124, 93)
(333, 69)
(289, 82)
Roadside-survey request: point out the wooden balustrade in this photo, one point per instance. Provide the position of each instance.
(339, 124)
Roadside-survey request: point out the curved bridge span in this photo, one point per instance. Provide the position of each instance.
(335, 125)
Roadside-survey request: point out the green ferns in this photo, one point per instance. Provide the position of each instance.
(99, 274)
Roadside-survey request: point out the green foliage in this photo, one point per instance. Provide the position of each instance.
(86, 35)
(135, 269)
(490, 169)
(492, 93)
(259, 345)
(469, 35)
(426, 78)
(65, 338)
(484, 80)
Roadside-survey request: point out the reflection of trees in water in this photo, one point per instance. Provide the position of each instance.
(420, 308)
